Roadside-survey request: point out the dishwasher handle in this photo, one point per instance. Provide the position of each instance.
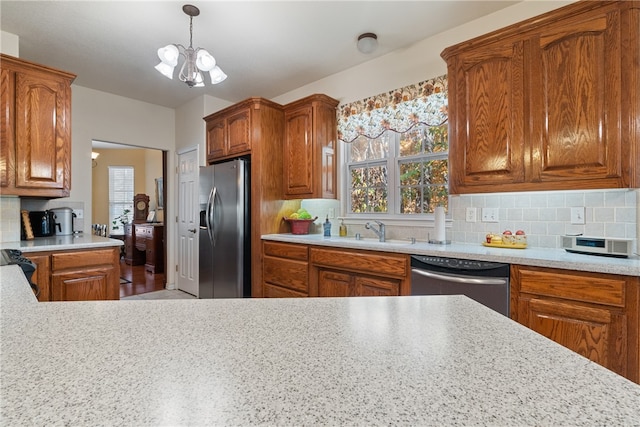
(462, 279)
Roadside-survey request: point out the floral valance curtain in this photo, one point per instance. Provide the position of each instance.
(398, 110)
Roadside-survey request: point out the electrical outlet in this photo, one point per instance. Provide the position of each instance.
(471, 214)
(577, 215)
(79, 213)
(489, 214)
(331, 213)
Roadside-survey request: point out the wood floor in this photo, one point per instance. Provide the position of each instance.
(140, 281)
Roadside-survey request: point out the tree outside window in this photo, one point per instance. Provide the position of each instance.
(399, 173)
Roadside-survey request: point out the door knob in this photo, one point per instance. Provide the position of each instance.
(193, 230)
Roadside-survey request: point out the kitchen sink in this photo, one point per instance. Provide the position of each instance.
(373, 241)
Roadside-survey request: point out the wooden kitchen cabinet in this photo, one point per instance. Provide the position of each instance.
(593, 314)
(344, 272)
(42, 275)
(35, 127)
(551, 103)
(265, 131)
(229, 132)
(77, 275)
(285, 270)
(310, 146)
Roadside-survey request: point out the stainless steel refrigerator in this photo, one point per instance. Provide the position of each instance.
(225, 225)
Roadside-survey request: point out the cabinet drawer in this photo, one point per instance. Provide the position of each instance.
(82, 259)
(288, 273)
(585, 287)
(366, 262)
(286, 250)
(271, 291)
(142, 232)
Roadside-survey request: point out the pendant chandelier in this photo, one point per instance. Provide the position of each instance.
(196, 61)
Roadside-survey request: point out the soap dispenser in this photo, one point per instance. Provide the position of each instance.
(343, 229)
(327, 227)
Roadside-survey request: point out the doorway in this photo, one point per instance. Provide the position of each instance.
(149, 168)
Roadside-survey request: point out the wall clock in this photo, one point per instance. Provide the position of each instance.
(140, 208)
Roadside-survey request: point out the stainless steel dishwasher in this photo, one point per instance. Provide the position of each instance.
(483, 281)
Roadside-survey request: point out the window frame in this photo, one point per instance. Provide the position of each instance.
(393, 162)
(117, 207)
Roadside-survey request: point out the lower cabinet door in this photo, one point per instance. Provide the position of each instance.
(595, 333)
(86, 285)
(335, 284)
(376, 286)
(41, 275)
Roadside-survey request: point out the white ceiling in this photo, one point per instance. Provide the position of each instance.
(267, 48)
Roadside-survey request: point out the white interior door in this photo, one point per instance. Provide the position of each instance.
(188, 222)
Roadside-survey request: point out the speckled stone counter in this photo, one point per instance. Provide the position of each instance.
(440, 360)
(541, 257)
(62, 243)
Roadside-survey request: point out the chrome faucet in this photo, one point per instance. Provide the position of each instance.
(379, 232)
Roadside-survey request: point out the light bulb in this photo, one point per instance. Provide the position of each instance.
(205, 61)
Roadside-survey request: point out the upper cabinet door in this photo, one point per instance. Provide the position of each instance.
(43, 140)
(310, 148)
(216, 138)
(7, 128)
(487, 117)
(298, 151)
(239, 132)
(576, 97)
(35, 158)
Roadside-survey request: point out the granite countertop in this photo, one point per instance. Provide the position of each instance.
(540, 257)
(419, 360)
(62, 243)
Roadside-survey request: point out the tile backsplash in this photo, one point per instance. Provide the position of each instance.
(544, 216)
(9, 219)
(10, 223)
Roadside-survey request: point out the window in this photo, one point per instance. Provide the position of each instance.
(120, 191)
(398, 173)
(396, 151)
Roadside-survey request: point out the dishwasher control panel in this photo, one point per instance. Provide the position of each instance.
(455, 263)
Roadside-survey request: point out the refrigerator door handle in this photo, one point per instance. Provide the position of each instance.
(209, 213)
(215, 214)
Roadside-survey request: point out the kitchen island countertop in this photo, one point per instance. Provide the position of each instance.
(62, 243)
(540, 257)
(422, 360)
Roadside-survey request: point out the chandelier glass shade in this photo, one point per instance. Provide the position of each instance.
(196, 61)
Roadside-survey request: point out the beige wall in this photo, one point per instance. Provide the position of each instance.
(415, 63)
(9, 44)
(147, 166)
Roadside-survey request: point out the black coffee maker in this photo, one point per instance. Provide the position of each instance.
(42, 224)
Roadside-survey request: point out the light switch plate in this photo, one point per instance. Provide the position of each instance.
(489, 214)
